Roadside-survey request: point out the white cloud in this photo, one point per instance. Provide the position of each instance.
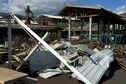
(3, 6)
(103, 7)
(99, 5)
(120, 9)
(38, 6)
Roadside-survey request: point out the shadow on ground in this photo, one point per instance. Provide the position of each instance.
(113, 69)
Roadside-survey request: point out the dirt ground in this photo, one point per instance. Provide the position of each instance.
(118, 77)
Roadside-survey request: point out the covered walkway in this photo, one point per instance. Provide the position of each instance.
(108, 23)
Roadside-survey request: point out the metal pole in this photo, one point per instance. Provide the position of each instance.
(69, 30)
(9, 43)
(90, 28)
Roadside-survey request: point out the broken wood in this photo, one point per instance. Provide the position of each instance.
(7, 76)
(121, 62)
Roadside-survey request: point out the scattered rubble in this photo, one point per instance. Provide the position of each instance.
(84, 59)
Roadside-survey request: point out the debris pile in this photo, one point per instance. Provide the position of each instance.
(87, 61)
(120, 51)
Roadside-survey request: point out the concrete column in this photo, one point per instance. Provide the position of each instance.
(9, 43)
(69, 30)
(121, 28)
(90, 28)
(116, 28)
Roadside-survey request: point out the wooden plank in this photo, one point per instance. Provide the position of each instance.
(87, 16)
(7, 75)
(121, 62)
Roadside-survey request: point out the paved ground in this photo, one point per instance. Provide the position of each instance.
(62, 79)
(118, 77)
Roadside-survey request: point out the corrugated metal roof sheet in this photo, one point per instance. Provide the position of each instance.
(94, 71)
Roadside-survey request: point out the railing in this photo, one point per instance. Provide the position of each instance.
(86, 36)
(112, 39)
(105, 38)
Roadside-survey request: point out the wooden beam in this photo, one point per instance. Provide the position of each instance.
(84, 16)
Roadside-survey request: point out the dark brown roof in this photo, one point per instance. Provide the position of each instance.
(33, 27)
(74, 10)
(87, 11)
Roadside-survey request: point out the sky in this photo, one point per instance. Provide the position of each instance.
(117, 6)
(54, 6)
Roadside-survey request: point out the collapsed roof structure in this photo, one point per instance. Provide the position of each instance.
(91, 11)
(101, 61)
